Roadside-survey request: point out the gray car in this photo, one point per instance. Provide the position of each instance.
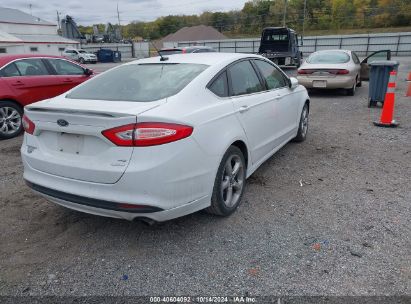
(337, 69)
(186, 50)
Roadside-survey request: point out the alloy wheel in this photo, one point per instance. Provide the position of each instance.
(304, 122)
(10, 120)
(232, 181)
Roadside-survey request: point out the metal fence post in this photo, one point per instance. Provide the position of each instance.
(341, 40)
(398, 44)
(315, 44)
(254, 47)
(368, 45)
(219, 46)
(235, 46)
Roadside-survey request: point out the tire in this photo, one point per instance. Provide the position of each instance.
(82, 61)
(351, 92)
(303, 125)
(10, 119)
(226, 182)
(359, 84)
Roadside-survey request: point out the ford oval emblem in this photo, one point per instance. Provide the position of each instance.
(62, 123)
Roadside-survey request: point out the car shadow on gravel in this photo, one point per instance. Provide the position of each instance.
(329, 92)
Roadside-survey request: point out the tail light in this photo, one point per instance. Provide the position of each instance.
(342, 72)
(28, 125)
(147, 134)
(304, 72)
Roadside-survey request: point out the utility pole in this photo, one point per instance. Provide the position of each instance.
(118, 15)
(305, 9)
(58, 20)
(285, 12)
(119, 25)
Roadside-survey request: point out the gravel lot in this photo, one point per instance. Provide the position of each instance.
(330, 216)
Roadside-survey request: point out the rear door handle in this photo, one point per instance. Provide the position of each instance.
(243, 109)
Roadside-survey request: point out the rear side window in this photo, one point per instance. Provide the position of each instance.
(139, 82)
(10, 71)
(220, 85)
(355, 58)
(64, 67)
(274, 78)
(244, 80)
(31, 67)
(329, 57)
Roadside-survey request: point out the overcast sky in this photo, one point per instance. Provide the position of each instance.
(87, 12)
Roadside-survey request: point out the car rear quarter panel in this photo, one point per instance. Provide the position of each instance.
(214, 121)
(5, 92)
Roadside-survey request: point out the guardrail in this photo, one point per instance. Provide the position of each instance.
(363, 44)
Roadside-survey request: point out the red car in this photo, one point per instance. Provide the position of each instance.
(25, 79)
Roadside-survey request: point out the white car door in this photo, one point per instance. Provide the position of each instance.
(286, 101)
(254, 107)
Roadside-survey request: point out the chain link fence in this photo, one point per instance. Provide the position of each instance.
(363, 44)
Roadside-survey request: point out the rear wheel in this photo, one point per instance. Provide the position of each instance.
(303, 126)
(229, 183)
(359, 84)
(351, 92)
(10, 119)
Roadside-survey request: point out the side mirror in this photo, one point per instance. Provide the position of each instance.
(88, 72)
(293, 83)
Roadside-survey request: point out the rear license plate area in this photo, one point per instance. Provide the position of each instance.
(70, 143)
(319, 83)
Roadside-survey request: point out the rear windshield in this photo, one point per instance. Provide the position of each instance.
(329, 57)
(275, 36)
(138, 82)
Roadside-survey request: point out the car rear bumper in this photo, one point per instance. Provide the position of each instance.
(110, 209)
(338, 82)
(169, 183)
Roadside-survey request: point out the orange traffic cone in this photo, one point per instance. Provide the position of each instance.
(387, 114)
(408, 94)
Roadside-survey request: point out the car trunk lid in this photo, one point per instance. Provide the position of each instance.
(68, 139)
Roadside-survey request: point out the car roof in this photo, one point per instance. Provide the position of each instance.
(278, 28)
(198, 58)
(335, 50)
(10, 57)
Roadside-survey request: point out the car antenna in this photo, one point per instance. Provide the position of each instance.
(158, 52)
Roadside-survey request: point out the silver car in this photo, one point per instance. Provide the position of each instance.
(337, 69)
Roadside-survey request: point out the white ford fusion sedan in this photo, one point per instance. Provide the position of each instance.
(156, 138)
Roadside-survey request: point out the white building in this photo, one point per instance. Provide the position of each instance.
(21, 33)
